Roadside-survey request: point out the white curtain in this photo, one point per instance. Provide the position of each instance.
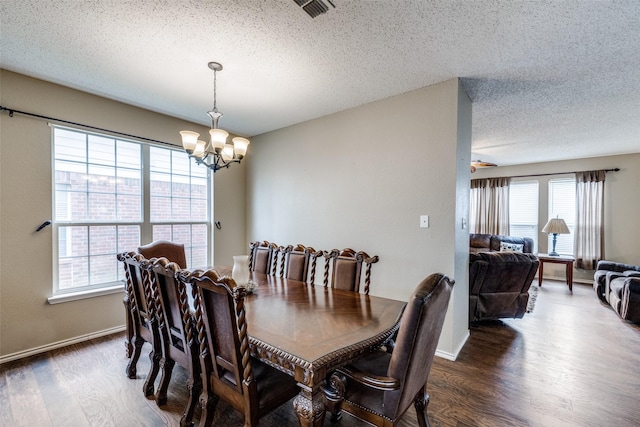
(589, 239)
(489, 206)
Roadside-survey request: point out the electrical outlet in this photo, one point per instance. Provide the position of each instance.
(424, 221)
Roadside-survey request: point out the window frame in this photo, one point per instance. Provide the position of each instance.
(144, 224)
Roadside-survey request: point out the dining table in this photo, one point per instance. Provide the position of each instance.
(307, 331)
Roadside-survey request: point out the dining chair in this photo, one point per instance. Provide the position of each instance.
(141, 318)
(379, 387)
(295, 262)
(160, 248)
(346, 269)
(261, 257)
(228, 371)
(172, 251)
(177, 332)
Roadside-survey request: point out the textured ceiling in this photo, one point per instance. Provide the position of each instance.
(549, 80)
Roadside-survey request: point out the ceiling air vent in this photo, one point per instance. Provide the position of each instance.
(314, 7)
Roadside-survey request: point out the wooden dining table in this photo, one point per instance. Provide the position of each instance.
(307, 331)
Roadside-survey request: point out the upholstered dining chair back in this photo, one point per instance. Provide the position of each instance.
(380, 387)
(229, 372)
(177, 332)
(141, 321)
(174, 252)
(261, 256)
(346, 269)
(296, 262)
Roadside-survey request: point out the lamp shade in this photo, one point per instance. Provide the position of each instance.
(218, 139)
(200, 149)
(240, 146)
(189, 140)
(227, 152)
(556, 226)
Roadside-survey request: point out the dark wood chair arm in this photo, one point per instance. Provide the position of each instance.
(374, 381)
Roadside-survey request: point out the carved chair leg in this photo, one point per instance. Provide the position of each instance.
(128, 342)
(194, 387)
(131, 370)
(208, 404)
(155, 357)
(420, 402)
(166, 365)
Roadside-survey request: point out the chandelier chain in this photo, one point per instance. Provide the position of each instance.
(215, 78)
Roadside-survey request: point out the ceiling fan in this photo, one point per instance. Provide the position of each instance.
(480, 164)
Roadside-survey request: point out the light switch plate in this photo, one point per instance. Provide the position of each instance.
(424, 221)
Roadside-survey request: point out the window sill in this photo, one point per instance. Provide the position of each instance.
(74, 296)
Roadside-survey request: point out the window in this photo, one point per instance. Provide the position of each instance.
(562, 204)
(106, 202)
(523, 210)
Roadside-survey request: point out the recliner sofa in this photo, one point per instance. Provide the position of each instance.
(618, 285)
(499, 284)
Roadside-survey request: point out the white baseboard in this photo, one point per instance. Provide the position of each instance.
(454, 356)
(59, 344)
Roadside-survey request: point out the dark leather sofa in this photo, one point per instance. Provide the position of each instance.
(618, 285)
(499, 281)
(491, 242)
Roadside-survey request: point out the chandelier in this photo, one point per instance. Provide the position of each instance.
(217, 153)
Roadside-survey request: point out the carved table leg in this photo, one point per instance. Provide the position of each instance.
(309, 405)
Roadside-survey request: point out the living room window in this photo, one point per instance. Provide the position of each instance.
(562, 204)
(523, 210)
(112, 194)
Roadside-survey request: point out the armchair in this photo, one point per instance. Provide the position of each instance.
(499, 283)
(379, 387)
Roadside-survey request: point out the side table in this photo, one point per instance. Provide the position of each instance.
(567, 260)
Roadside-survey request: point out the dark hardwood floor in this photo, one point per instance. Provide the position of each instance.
(571, 362)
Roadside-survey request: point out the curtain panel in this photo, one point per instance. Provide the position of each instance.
(589, 234)
(489, 206)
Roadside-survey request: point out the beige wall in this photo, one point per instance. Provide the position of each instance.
(622, 204)
(27, 321)
(361, 178)
(329, 183)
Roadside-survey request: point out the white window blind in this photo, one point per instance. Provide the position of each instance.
(562, 204)
(523, 210)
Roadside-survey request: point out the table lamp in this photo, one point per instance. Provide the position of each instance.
(555, 226)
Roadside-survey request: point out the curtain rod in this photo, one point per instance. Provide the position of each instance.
(12, 111)
(558, 173)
